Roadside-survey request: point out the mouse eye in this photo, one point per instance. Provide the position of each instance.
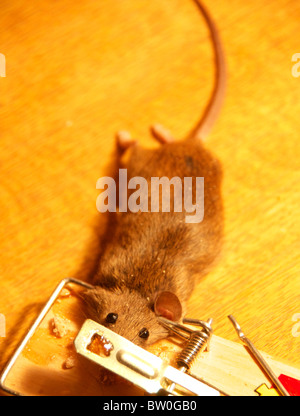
(144, 333)
(111, 318)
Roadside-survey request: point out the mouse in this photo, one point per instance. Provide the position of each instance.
(153, 260)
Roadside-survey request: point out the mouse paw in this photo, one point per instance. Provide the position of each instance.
(124, 140)
(161, 134)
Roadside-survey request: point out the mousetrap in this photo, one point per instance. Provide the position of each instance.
(65, 354)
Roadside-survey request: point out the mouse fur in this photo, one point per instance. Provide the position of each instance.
(153, 260)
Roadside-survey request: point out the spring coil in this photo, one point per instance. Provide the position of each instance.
(196, 344)
(197, 341)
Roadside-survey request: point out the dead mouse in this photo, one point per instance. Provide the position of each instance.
(150, 266)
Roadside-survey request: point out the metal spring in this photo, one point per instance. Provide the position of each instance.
(196, 344)
(197, 341)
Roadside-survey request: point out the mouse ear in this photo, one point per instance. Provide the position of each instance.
(168, 305)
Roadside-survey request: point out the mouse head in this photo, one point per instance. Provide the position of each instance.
(131, 315)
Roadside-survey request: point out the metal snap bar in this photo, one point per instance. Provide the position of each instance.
(137, 365)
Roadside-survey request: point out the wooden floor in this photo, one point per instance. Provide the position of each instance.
(76, 72)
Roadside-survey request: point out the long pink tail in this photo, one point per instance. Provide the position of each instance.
(213, 108)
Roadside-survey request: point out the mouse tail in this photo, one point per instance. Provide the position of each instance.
(213, 108)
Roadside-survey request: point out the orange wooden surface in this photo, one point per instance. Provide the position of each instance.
(76, 72)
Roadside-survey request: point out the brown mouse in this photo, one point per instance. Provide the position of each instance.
(150, 265)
